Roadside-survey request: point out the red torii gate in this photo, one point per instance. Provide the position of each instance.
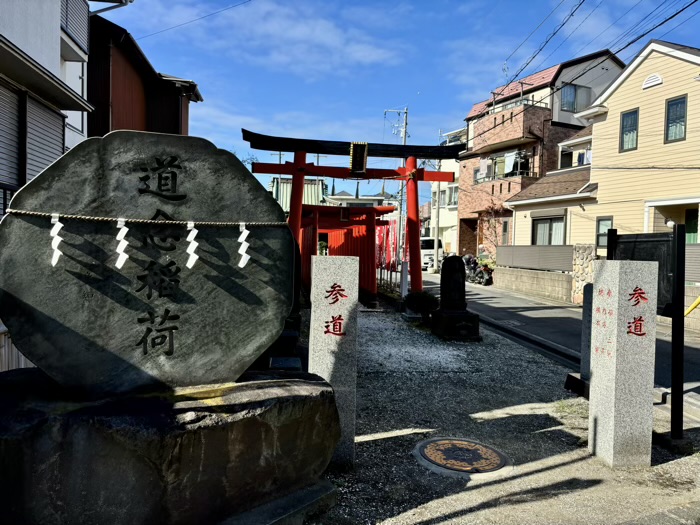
(358, 153)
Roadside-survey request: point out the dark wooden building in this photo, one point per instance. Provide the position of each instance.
(127, 92)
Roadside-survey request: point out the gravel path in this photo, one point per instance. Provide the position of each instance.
(412, 386)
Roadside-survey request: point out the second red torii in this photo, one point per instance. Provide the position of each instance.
(358, 153)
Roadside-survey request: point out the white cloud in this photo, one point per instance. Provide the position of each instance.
(303, 38)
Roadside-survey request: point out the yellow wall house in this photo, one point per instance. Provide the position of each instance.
(645, 167)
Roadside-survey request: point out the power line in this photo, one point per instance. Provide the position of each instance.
(569, 35)
(611, 25)
(534, 30)
(679, 25)
(195, 19)
(547, 40)
(593, 66)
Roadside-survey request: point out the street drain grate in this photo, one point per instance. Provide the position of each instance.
(459, 456)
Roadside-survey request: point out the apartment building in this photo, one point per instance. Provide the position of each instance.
(514, 138)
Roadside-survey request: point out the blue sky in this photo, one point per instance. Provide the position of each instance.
(328, 69)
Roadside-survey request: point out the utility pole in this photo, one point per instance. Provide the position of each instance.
(404, 134)
(436, 236)
(319, 190)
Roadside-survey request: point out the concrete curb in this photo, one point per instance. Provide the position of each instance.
(562, 351)
(662, 396)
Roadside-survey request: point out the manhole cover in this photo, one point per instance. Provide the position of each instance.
(460, 455)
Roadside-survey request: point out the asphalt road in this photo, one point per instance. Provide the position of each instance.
(560, 323)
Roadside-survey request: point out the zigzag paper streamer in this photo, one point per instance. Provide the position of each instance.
(192, 246)
(244, 246)
(123, 243)
(56, 239)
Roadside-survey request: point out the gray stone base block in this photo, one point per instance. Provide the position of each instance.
(195, 455)
(292, 509)
(456, 326)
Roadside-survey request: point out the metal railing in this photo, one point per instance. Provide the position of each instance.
(550, 258)
(75, 21)
(517, 173)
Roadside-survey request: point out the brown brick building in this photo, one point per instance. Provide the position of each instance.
(512, 140)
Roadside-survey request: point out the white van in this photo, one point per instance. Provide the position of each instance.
(427, 251)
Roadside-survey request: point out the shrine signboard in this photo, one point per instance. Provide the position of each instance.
(140, 260)
(333, 339)
(623, 344)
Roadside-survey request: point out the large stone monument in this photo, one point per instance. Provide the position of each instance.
(333, 340)
(623, 343)
(143, 274)
(452, 321)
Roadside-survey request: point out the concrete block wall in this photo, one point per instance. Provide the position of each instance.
(552, 285)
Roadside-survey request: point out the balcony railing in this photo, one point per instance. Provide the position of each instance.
(75, 21)
(517, 173)
(518, 103)
(509, 126)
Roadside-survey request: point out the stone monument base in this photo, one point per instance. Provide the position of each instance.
(455, 325)
(193, 455)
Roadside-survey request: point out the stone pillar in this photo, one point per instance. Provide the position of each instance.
(333, 340)
(623, 343)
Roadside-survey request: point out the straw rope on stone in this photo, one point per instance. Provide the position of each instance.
(141, 221)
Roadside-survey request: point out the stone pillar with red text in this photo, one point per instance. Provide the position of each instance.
(333, 340)
(623, 344)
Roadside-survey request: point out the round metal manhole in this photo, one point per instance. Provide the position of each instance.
(460, 455)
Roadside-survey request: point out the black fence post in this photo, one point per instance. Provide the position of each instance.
(612, 244)
(678, 332)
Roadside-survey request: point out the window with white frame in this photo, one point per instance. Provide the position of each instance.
(452, 195)
(603, 224)
(548, 231)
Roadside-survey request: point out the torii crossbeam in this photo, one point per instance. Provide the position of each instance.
(358, 153)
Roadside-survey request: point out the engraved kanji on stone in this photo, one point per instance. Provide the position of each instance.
(638, 296)
(636, 327)
(165, 179)
(161, 278)
(157, 335)
(335, 325)
(163, 236)
(336, 293)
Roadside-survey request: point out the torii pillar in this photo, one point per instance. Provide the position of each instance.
(296, 199)
(413, 226)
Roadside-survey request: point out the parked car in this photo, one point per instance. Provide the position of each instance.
(427, 252)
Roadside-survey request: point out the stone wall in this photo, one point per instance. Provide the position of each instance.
(584, 255)
(552, 285)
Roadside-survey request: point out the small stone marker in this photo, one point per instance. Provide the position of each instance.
(333, 340)
(452, 321)
(623, 343)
